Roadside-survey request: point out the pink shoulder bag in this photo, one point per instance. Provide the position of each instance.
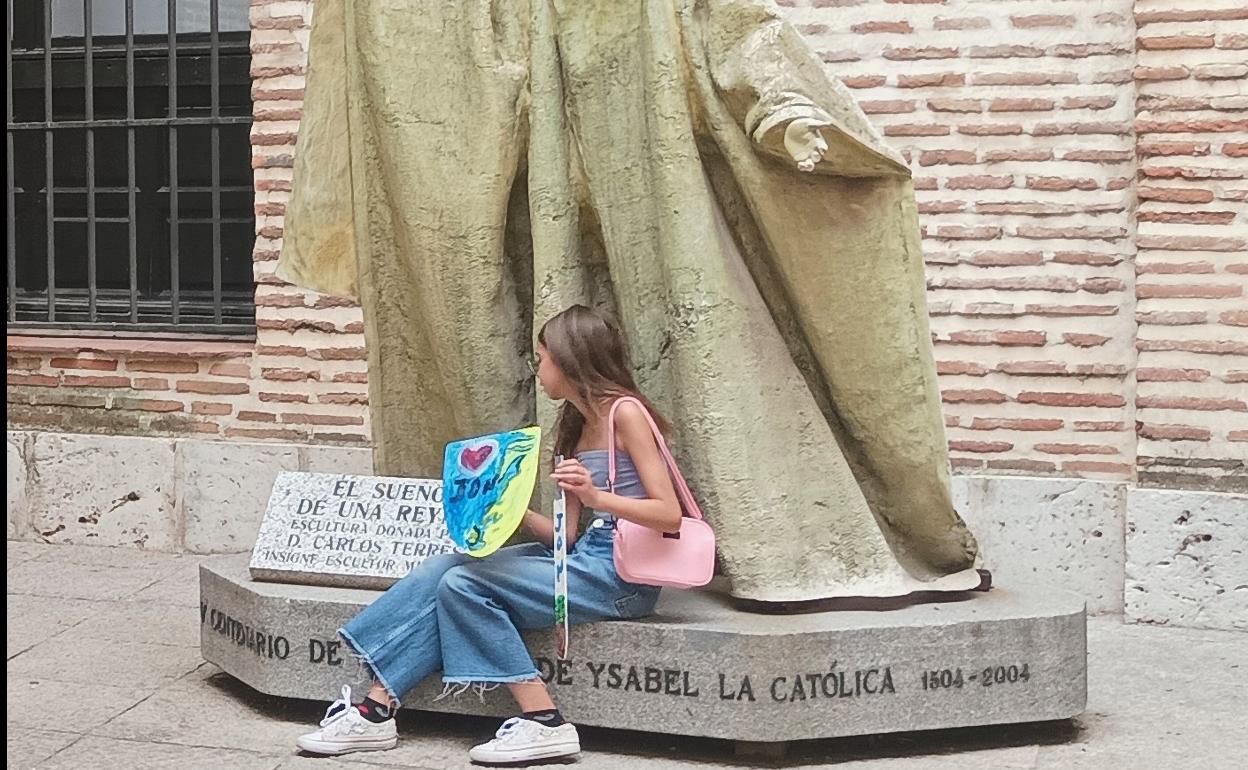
(683, 559)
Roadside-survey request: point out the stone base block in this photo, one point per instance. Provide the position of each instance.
(699, 667)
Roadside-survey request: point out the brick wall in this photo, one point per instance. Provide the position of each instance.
(1079, 168)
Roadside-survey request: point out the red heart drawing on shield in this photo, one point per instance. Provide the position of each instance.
(473, 459)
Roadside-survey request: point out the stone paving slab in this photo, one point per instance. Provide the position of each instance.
(77, 707)
(132, 664)
(34, 619)
(1158, 698)
(94, 752)
(33, 746)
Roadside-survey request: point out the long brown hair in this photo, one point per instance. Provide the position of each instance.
(590, 351)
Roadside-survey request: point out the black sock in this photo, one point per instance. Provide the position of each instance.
(374, 711)
(545, 717)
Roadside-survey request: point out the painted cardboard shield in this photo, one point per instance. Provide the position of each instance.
(486, 485)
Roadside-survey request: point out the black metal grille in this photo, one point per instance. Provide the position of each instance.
(130, 197)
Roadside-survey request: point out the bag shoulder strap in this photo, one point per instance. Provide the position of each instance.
(688, 503)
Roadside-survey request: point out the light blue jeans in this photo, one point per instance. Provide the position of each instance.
(463, 615)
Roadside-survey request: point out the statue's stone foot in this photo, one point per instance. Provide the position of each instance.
(699, 667)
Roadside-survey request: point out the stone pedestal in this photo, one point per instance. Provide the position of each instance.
(698, 667)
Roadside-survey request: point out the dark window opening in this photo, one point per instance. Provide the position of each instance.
(130, 198)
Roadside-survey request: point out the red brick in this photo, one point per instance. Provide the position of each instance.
(1098, 426)
(1202, 14)
(1163, 374)
(1192, 243)
(1004, 258)
(1102, 285)
(351, 399)
(930, 52)
(1030, 466)
(1235, 149)
(868, 27)
(1071, 310)
(33, 380)
(280, 300)
(1089, 466)
(166, 366)
(230, 370)
(1173, 318)
(1076, 449)
(946, 157)
(355, 377)
(1020, 105)
(1234, 318)
(1089, 102)
(149, 383)
(1209, 126)
(280, 350)
(1203, 268)
(1060, 184)
(289, 375)
(962, 232)
(965, 463)
(206, 407)
(1005, 52)
(1071, 399)
(284, 398)
(917, 129)
(1032, 368)
(1235, 376)
(148, 405)
(248, 416)
(1189, 291)
(1073, 233)
(1082, 129)
(1237, 435)
(1042, 20)
(1025, 78)
(322, 419)
(986, 423)
(864, 81)
(74, 380)
(1095, 258)
(1194, 403)
(1098, 156)
(999, 338)
(1084, 50)
(941, 207)
(981, 396)
(991, 129)
(955, 105)
(1029, 283)
(339, 354)
(1174, 42)
(966, 22)
(274, 433)
(1188, 217)
(985, 447)
(97, 364)
(932, 80)
(1036, 155)
(281, 22)
(980, 182)
(1166, 149)
(1173, 432)
(213, 388)
(327, 301)
(961, 367)
(1085, 340)
(1212, 347)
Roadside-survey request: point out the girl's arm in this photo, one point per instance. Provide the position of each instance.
(543, 527)
(660, 509)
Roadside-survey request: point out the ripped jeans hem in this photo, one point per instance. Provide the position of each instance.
(363, 659)
(453, 686)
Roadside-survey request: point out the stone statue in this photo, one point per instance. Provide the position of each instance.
(467, 168)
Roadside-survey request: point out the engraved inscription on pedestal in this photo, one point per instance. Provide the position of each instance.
(699, 667)
(352, 531)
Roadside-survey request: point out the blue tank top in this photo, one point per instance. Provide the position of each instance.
(627, 480)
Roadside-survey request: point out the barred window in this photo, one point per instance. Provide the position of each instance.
(130, 197)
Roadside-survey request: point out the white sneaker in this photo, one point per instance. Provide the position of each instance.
(344, 730)
(523, 740)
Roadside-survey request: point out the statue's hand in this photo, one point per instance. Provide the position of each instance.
(805, 143)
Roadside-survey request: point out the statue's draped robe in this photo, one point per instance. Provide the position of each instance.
(468, 168)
